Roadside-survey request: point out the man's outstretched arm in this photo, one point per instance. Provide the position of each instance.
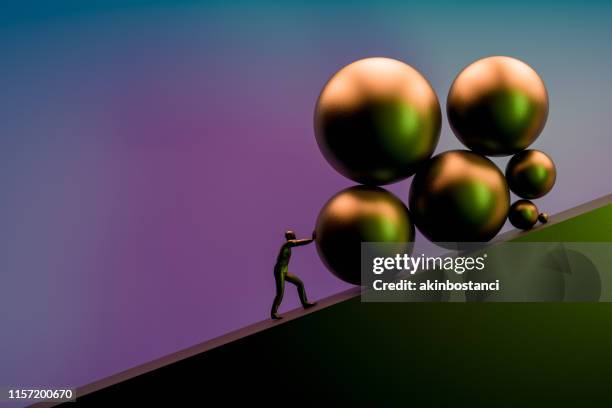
(300, 242)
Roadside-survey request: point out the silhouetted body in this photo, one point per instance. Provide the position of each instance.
(282, 274)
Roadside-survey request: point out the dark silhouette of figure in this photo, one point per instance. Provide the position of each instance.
(281, 273)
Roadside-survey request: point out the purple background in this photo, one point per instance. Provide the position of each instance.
(153, 153)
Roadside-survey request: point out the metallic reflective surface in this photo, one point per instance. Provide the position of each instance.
(497, 106)
(543, 217)
(376, 120)
(523, 214)
(531, 174)
(459, 196)
(355, 215)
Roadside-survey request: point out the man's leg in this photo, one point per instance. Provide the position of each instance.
(301, 290)
(280, 289)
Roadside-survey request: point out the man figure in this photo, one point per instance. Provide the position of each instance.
(281, 273)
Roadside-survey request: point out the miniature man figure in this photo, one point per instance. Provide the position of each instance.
(281, 273)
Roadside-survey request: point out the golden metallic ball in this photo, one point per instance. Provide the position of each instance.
(523, 214)
(531, 174)
(355, 215)
(376, 120)
(497, 106)
(459, 196)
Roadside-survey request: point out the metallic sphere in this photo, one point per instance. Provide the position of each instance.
(376, 120)
(497, 106)
(543, 217)
(531, 174)
(355, 215)
(523, 214)
(459, 196)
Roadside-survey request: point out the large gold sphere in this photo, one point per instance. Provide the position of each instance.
(376, 120)
(497, 106)
(355, 215)
(459, 196)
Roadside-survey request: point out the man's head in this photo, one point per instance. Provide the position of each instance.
(289, 235)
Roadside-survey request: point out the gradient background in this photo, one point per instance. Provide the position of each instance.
(153, 152)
